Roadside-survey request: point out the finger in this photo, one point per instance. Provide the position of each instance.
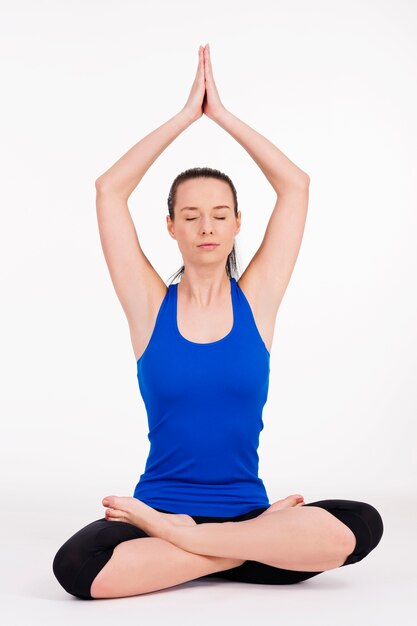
(207, 62)
(200, 67)
(199, 61)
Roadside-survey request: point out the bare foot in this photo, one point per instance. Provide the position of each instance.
(157, 524)
(136, 512)
(290, 501)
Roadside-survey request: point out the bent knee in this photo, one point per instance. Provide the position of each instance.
(374, 521)
(80, 558)
(66, 567)
(366, 523)
(83, 556)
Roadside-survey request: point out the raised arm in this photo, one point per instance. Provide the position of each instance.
(268, 273)
(124, 176)
(139, 287)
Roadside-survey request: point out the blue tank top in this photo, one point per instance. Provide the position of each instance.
(204, 403)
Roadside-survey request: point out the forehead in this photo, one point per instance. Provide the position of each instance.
(204, 190)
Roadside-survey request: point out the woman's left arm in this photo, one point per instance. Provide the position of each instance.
(282, 173)
(266, 278)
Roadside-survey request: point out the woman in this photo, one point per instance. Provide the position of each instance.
(202, 348)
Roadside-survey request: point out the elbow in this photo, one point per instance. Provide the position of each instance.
(302, 182)
(99, 184)
(102, 183)
(103, 187)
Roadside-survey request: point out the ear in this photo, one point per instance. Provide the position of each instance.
(170, 226)
(238, 221)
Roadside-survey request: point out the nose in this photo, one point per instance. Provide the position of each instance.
(207, 228)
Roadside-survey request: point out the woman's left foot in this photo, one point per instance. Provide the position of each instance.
(286, 503)
(136, 512)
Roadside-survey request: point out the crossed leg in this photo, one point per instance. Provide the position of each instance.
(312, 541)
(300, 538)
(90, 564)
(149, 564)
(138, 566)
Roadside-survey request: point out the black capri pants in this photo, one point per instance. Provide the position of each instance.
(82, 556)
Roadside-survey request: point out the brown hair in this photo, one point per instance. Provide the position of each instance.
(205, 172)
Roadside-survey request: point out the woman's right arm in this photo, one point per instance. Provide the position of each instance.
(139, 288)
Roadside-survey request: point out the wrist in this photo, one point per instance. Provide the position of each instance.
(187, 116)
(220, 115)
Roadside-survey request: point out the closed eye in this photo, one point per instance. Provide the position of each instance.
(190, 219)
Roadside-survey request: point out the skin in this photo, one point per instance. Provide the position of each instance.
(205, 280)
(157, 524)
(287, 534)
(205, 277)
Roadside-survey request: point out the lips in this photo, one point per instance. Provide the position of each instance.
(207, 244)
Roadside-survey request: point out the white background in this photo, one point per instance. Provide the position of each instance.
(332, 84)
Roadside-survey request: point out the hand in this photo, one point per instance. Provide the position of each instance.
(212, 105)
(194, 104)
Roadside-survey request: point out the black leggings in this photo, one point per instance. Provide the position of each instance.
(82, 556)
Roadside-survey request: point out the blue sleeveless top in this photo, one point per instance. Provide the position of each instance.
(204, 403)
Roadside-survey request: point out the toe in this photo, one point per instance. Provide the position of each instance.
(296, 500)
(109, 501)
(123, 503)
(114, 513)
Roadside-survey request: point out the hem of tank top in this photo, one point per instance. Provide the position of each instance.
(253, 319)
(210, 343)
(253, 510)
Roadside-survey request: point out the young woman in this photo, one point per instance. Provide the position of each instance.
(202, 348)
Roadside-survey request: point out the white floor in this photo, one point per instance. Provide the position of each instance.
(380, 590)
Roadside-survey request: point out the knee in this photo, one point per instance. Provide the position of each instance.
(82, 556)
(368, 532)
(66, 565)
(373, 519)
(79, 558)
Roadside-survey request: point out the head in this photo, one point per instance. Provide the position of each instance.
(213, 216)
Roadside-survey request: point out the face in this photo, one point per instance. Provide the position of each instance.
(199, 219)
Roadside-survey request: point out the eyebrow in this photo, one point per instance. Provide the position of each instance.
(194, 208)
